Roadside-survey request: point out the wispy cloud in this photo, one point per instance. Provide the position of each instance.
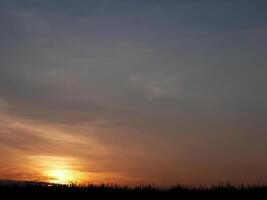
(155, 84)
(95, 153)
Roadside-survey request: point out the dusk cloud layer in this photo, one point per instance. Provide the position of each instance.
(134, 92)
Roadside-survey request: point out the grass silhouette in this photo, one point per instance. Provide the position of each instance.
(37, 189)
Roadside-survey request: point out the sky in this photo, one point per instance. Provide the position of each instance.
(133, 92)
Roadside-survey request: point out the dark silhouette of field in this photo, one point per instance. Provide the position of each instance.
(38, 190)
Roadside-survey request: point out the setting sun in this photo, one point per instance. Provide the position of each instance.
(62, 176)
(59, 170)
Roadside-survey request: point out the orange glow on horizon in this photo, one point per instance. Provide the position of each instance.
(59, 170)
(62, 176)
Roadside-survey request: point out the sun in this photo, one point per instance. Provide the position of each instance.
(59, 170)
(59, 174)
(62, 176)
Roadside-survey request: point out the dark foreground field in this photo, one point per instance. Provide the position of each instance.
(39, 190)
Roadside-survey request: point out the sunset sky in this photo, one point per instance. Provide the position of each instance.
(133, 92)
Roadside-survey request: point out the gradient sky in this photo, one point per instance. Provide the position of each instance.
(160, 92)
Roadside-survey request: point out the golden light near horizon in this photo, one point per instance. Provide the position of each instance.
(59, 170)
(62, 176)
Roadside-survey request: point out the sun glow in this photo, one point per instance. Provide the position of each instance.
(59, 170)
(62, 176)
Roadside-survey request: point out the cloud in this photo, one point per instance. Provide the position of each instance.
(98, 152)
(155, 85)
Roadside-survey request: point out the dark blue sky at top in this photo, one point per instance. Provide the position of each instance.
(206, 15)
(219, 45)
